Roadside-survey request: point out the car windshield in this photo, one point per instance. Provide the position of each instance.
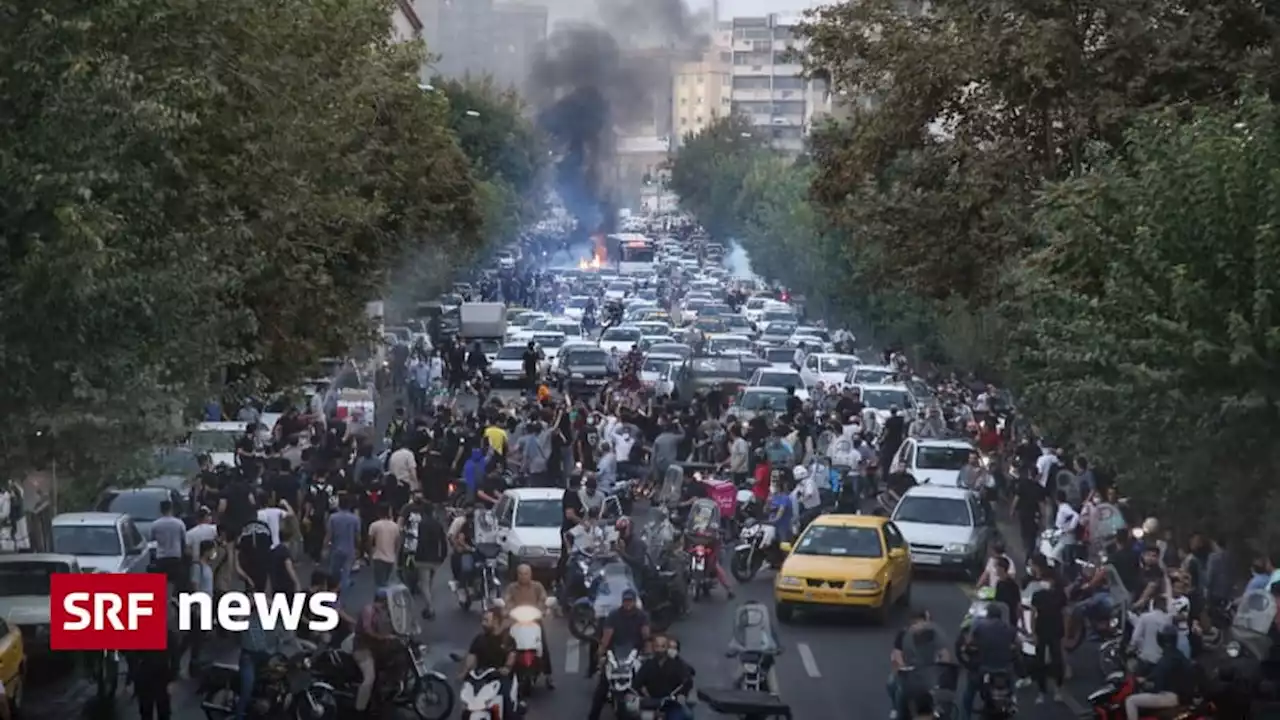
(511, 352)
(780, 315)
(953, 512)
(584, 358)
(657, 366)
(718, 345)
(779, 379)
(570, 329)
(755, 303)
(696, 304)
(780, 327)
(716, 366)
(578, 302)
(549, 341)
(144, 506)
(780, 355)
(714, 310)
(671, 349)
(620, 287)
(941, 458)
(215, 441)
(884, 399)
(835, 364)
(525, 319)
(833, 540)
(872, 375)
(764, 400)
(18, 579)
(539, 513)
(86, 540)
(621, 334)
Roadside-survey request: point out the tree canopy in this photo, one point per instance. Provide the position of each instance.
(1073, 197)
(191, 188)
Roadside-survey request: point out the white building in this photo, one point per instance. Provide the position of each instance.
(406, 26)
(768, 86)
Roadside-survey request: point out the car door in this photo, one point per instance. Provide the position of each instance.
(809, 371)
(899, 556)
(904, 461)
(137, 559)
(506, 513)
(983, 525)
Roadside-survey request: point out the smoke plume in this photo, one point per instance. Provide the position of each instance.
(596, 74)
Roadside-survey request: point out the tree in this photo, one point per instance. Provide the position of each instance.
(960, 114)
(192, 187)
(1148, 325)
(708, 171)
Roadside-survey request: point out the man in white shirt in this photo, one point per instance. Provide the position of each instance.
(271, 516)
(1148, 626)
(1044, 465)
(204, 529)
(989, 576)
(806, 497)
(739, 456)
(1066, 521)
(403, 466)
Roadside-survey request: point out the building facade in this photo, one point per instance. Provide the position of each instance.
(406, 26)
(701, 92)
(768, 86)
(483, 37)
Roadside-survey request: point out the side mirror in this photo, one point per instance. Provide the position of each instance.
(785, 547)
(897, 552)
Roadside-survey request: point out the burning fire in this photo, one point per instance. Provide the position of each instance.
(592, 264)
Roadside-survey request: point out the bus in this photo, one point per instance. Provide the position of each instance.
(633, 253)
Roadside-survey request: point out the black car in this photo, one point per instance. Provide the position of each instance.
(582, 370)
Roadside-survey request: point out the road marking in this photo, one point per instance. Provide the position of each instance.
(806, 657)
(573, 656)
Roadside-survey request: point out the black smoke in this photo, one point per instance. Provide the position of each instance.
(586, 80)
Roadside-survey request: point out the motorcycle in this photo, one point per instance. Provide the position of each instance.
(481, 695)
(701, 579)
(755, 645)
(526, 636)
(656, 708)
(620, 669)
(605, 586)
(404, 679)
(485, 584)
(284, 687)
(702, 530)
(1107, 702)
(757, 544)
(997, 693)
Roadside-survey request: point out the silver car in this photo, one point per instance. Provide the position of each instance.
(946, 528)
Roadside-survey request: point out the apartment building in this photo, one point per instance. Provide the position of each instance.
(405, 23)
(767, 82)
(700, 91)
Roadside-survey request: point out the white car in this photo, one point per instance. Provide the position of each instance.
(529, 522)
(506, 260)
(728, 344)
(781, 358)
(570, 328)
(620, 338)
(828, 368)
(755, 307)
(619, 289)
(808, 343)
(934, 461)
(104, 542)
(945, 528)
(772, 377)
(752, 401)
(652, 327)
(881, 398)
(218, 440)
(549, 342)
(524, 321)
(508, 366)
(659, 372)
(869, 375)
(576, 306)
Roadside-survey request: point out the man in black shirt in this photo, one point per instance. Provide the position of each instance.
(850, 404)
(1026, 506)
(247, 456)
(530, 360)
(627, 627)
(493, 649)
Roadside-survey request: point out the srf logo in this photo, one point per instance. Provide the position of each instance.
(108, 612)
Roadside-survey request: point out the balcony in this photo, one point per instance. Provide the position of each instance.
(788, 69)
(751, 95)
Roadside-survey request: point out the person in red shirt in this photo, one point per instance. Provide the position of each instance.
(760, 488)
(989, 440)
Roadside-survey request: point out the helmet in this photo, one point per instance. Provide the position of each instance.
(800, 472)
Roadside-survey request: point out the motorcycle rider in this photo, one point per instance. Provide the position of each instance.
(527, 591)
(462, 539)
(372, 634)
(492, 648)
(782, 513)
(993, 642)
(665, 675)
(805, 497)
(628, 626)
(632, 549)
(1171, 673)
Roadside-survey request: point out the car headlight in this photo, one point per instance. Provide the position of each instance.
(1233, 649)
(789, 581)
(864, 585)
(956, 549)
(578, 376)
(531, 551)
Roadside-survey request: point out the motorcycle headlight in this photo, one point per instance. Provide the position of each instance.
(750, 667)
(790, 581)
(956, 549)
(1233, 649)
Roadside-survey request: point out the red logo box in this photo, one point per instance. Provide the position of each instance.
(108, 612)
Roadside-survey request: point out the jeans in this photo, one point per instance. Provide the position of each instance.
(340, 567)
(382, 571)
(248, 679)
(368, 673)
(426, 576)
(1135, 704)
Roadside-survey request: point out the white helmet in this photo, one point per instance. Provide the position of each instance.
(800, 473)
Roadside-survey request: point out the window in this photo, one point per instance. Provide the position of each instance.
(539, 513)
(834, 540)
(698, 120)
(28, 578)
(893, 537)
(88, 540)
(144, 506)
(132, 538)
(953, 512)
(504, 511)
(684, 101)
(932, 457)
(787, 82)
(511, 352)
(750, 83)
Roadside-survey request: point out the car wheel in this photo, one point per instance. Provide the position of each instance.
(785, 612)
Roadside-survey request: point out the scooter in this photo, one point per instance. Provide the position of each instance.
(1107, 702)
(620, 672)
(526, 635)
(757, 544)
(702, 563)
(481, 695)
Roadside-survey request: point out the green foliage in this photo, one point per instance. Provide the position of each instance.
(190, 187)
(709, 171)
(1147, 326)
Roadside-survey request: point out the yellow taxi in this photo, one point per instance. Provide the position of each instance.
(855, 562)
(13, 663)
